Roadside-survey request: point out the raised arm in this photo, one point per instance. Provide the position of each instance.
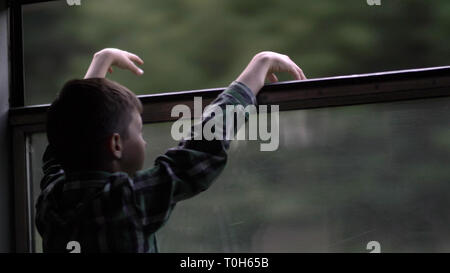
(104, 60)
(192, 166)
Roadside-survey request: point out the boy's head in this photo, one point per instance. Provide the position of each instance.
(95, 125)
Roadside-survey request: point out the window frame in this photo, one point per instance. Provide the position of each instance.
(293, 95)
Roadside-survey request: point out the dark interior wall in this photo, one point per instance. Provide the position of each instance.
(5, 164)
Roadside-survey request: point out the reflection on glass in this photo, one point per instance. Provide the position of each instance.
(341, 178)
(190, 44)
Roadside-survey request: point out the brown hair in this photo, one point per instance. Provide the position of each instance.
(83, 115)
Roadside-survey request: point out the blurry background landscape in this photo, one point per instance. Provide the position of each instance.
(196, 44)
(342, 177)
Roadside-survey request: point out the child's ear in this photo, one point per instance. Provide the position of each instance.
(115, 145)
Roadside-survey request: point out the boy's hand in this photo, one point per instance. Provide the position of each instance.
(108, 57)
(264, 66)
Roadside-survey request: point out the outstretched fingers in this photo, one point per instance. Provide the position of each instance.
(291, 69)
(300, 71)
(135, 58)
(134, 68)
(296, 71)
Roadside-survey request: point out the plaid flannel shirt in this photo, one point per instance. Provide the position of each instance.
(113, 212)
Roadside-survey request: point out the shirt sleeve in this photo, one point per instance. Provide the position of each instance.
(51, 167)
(191, 167)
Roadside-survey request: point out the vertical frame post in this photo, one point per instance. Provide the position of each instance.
(17, 91)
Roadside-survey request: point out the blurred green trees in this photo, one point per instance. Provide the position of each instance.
(195, 44)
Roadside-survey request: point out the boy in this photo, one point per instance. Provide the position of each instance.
(94, 191)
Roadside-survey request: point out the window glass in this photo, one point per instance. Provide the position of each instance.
(341, 178)
(195, 44)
